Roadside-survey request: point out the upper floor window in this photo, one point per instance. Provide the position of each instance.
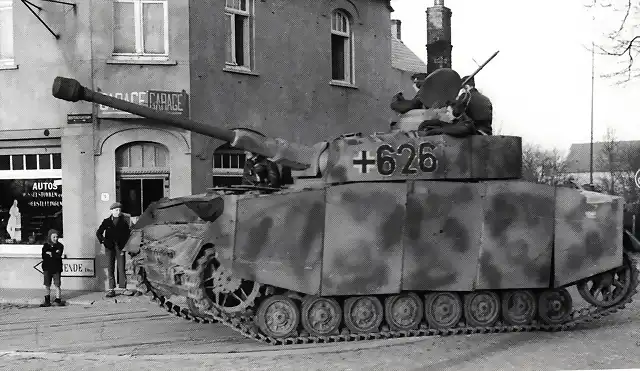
(6, 32)
(141, 28)
(341, 47)
(239, 33)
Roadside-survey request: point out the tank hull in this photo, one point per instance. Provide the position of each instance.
(379, 241)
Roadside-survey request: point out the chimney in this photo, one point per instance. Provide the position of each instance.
(438, 36)
(395, 28)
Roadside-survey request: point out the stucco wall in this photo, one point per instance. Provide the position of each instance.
(25, 93)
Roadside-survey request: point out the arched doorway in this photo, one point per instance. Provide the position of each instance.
(142, 175)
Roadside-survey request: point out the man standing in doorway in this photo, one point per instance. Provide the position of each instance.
(113, 234)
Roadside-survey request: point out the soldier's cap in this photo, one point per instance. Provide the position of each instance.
(115, 205)
(471, 82)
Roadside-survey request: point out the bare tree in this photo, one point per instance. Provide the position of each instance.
(609, 162)
(623, 38)
(543, 166)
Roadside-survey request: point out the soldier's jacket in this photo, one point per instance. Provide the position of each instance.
(260, 171)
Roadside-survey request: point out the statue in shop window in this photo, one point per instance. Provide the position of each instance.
(14, 225)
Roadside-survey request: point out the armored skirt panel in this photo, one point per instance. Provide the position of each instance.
(588, 236)
(382, 238)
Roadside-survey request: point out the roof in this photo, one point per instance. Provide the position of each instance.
(404, 59)
(578, 157)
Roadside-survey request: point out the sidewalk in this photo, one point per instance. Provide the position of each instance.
(86, 298)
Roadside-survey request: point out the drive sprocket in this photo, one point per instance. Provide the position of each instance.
(214, 289)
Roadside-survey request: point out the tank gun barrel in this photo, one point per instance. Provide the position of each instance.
(293, 155)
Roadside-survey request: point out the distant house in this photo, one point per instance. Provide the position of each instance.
(404, 62)
(578, 160)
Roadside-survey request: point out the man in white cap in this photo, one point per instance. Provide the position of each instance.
(113, 234)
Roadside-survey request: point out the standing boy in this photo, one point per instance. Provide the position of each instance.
(52, 267)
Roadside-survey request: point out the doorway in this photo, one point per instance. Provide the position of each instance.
(138, 194)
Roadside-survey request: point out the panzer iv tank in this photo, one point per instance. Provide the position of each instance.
(393, 234)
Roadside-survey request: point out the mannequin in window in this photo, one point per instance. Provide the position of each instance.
(14, 222)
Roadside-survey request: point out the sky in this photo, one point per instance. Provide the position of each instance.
(540, 82)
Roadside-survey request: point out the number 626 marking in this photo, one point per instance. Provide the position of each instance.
(426, 160)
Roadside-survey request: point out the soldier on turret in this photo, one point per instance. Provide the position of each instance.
(402, 105)
(258, 170)
(478, 107)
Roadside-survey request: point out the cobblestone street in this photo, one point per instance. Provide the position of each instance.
(130, 336)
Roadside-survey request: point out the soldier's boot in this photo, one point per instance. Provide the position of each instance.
(110, 294)
(58, 302)
(47, 301)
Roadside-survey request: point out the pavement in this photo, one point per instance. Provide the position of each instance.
(72, 297)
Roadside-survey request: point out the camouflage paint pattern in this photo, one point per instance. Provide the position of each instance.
(382, 238)
(517, 240)
(405, 156)
(442, 235)
(222, 231)
(588, 237)
(496, 157)
(279, 239)
(363, 238)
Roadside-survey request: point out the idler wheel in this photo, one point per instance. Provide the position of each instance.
(554, 306)
(404, 311)
(321, 316)
(278, 317)
(519, 307)
(481, 308)
(443, 309)
(363, 314)
(609, 288)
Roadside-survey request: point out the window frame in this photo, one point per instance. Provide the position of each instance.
(249, 36)
(349, 59)
(228, 171)
(8, 63)
(140, 54)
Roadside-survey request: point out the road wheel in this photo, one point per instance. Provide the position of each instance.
(278, 317)
(404, 311)
(519, 307)
(443, 309)
(554, 306)
(481, 308)
(321, 316)
(363, 314)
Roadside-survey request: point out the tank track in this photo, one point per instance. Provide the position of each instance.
(244, 323)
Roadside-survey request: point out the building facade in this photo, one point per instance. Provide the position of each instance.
(304, 71)
(301, 70)
(64, 163)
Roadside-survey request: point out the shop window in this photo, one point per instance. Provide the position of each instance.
(30, 197)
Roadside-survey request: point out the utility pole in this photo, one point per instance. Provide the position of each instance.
(592, 92)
